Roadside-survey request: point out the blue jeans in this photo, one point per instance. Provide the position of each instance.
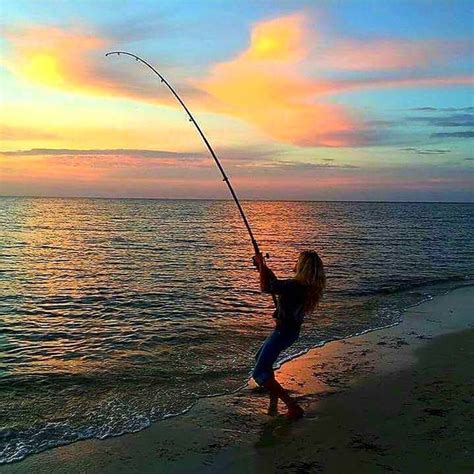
(267, 355)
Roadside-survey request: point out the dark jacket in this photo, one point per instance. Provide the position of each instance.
(289, 313)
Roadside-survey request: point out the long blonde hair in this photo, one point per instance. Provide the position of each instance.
(310, 272)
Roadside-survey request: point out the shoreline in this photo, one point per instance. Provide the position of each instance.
(407, 309)
(224, 432)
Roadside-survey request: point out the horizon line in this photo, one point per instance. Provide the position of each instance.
(230, 199)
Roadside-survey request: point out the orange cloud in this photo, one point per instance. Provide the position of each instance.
(257, 87)
(51, 56)
(73, 60)
(263, 86)
(280, 39)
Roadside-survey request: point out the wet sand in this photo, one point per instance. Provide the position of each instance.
(395, 400)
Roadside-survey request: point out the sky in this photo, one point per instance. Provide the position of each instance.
(310, 100)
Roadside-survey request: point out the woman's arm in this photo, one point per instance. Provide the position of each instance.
(266, 278)
(266, 275)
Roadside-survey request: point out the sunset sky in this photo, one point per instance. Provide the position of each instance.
(324, 100)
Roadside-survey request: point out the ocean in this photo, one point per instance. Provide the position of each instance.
(115, 313)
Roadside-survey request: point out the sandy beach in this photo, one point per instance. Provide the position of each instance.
(394, 400)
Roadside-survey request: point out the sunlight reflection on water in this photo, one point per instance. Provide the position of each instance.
(118, 312)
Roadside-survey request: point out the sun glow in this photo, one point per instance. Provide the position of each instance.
(265, 45)
(280, 39)
(44, 68)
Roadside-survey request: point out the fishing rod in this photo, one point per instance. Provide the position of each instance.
(208, 145)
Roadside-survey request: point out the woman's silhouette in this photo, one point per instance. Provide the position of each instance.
(297, 297)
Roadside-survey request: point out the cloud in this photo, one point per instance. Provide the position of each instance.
(452, 135)
(243, 156)
(144, 163)
(12, 133)
(443, 109)
(396, 82)
(453, 120)
(307, 166)
(50, 55)
(387, 54)
(74, 60)
(280, 84)
(446, 118)
(153, 154)
(262, 86)
(112, 158)
(419, 151)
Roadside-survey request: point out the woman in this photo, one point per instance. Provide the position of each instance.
(297, 297)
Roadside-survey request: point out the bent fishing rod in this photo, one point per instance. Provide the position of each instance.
(208, 145)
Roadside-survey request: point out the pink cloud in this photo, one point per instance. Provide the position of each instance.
(386, 54)
(333, 87)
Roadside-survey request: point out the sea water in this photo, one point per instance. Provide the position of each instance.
(115, 313)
